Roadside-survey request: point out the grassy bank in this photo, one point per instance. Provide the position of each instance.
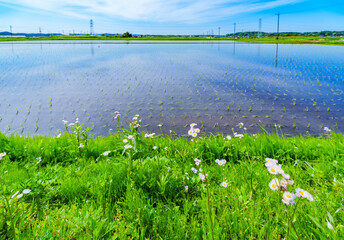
(132, 185)
(297, 40)
(282, 40)
(119, 38)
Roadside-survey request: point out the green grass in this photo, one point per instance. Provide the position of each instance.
(296, 40)
(98, 37)
(139, 193)
(283, 40)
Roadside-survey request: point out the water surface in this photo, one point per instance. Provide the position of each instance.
(214, 84)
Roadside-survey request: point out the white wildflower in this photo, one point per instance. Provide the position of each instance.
(301, 192)
(286, 176)
(274, 184)
(290, 182)
(274, 169)
(106, 153)
(13, 196)
(270, 160)
(192, 125)
(326, 129)
(238, 135)
(26, 191)
(127, 146)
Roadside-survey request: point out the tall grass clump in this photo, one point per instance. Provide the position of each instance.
(138, 185)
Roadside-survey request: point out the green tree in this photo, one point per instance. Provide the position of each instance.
(127, 35)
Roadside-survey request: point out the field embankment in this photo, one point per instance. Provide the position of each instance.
(132, 185)
(296, 40)
(282, 40)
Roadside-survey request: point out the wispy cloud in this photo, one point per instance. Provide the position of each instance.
(187, 11)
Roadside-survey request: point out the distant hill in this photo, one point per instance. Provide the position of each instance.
(5, 33)
(30, 34)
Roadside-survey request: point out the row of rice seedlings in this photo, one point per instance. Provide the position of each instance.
(237, 80)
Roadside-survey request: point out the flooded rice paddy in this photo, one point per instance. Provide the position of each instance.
(214, 84)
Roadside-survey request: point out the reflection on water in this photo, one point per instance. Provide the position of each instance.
(234, 48)
(92, 50)
(276, 58)
(215, 84)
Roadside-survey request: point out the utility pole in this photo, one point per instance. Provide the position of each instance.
(259, 27)
(234, 29)
(11, 29)
(278, 14)
(40, 31)
(91, 27)
(219, 31)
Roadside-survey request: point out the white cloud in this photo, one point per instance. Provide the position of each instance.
(188, 11)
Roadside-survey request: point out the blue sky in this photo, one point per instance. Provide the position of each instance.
(170, 16)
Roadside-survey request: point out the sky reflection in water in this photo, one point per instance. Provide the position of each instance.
(216, 85)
